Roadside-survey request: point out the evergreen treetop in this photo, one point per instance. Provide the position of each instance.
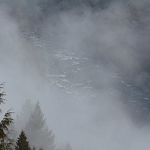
(22, 142)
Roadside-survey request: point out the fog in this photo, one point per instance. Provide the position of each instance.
(86, 62)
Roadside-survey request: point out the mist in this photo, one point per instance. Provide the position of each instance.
(86, 62)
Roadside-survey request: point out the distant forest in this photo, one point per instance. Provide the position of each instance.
(28, 131)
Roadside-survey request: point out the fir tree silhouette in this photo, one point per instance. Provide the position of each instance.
(22, 142)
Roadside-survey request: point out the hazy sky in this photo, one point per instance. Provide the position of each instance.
(88, 66)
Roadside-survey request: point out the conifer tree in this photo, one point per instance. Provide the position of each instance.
(6, 142)
(23, 116)
(22, 142)
(36, 130)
